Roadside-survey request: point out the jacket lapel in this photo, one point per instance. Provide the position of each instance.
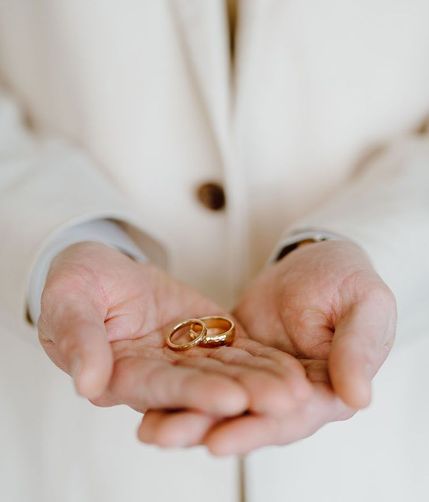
(204, 30)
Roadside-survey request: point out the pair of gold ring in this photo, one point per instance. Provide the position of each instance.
(209, 331)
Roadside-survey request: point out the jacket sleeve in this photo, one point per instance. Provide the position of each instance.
(385, 209)
(46, 186)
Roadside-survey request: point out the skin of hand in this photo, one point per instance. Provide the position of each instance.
(104, 320)
(325, 305)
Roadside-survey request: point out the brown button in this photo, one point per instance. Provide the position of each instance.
(212, 196)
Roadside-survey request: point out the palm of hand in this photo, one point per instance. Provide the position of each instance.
(299, 308)
(107, 296)
(310, 297)
(294, 307)
(325, 306)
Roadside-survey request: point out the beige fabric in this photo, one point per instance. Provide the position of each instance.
(378, 455)
(128, 106)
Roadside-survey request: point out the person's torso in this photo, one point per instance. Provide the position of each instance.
(149, 91)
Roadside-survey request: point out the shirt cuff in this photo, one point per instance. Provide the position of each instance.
(291, 242)
(104, 231)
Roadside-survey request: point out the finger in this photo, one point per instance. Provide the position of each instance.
(265, 392)
(241, 435)
(274, 387)
(361, 343)
(289, 366)
(79, 340)
(148, 426)
(174, 429)
(158, 384)
(270, 388)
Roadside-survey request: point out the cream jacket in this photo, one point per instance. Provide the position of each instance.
(122, 110)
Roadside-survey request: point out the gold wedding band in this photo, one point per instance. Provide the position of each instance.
(209, 331)
(194, 341)
(215, 323)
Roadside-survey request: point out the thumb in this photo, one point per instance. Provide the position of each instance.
(361, 343)
(75, 338)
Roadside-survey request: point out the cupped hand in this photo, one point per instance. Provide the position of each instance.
(325, 305)
(104, 320)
